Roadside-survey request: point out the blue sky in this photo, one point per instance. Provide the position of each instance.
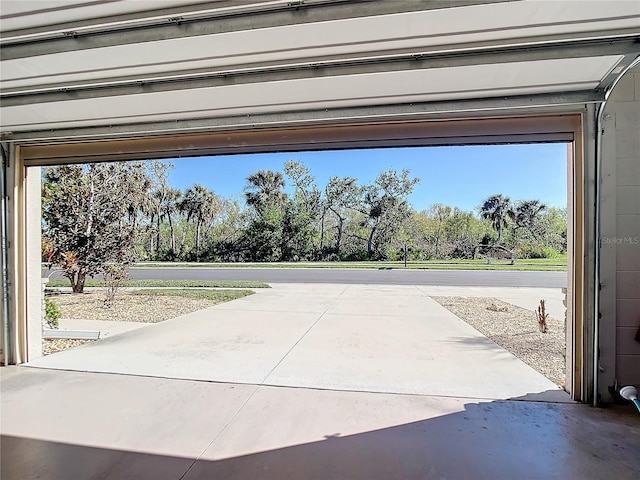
(455, 176)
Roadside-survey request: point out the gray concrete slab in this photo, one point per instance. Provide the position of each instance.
(410, 344)
(73, 425)
(292, 298)
(212, 344)
(378, 338)
(326, 434)
(105, 327)
(70, 425)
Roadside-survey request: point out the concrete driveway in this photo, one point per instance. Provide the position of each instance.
(366, 338)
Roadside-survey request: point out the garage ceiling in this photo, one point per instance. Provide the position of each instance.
(72, 68)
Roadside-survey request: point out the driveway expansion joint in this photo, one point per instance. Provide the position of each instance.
(335, 300)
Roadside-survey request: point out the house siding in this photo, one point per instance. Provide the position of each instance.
(620, 221)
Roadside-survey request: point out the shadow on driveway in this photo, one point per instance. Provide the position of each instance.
(487, 440)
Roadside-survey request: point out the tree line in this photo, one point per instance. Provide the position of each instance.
(126, 211)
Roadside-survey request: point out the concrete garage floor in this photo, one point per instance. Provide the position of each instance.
(59, 425)
(368, 338)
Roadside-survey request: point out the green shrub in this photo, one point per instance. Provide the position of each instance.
(51, 313)
(529, 249)
(549, 252)
(355, 255)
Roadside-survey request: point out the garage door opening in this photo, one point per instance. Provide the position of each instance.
(375, 215)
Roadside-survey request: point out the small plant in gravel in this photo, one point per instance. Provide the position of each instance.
(494, 308)
(542, 315)
(114, 276)
(51, 313)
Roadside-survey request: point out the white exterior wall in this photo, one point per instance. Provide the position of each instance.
(620, 236)
(24, 229)
(34, 270)
(2, 300)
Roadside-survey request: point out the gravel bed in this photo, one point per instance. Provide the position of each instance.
(54, 345)
(126, 307)
(515, 330)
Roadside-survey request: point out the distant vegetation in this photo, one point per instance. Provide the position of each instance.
(100, 214)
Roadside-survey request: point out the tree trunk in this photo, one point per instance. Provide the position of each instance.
(183, 241)
(173, 235)
(405, 255)
(90, 201)
(370, 240)
(197, 240)
(322, 233)
(158, 239)
(78, 285)
(339, 237)
(151, 235)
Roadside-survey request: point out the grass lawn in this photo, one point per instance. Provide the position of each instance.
(217, 296)
(538, 264)
(167, 283)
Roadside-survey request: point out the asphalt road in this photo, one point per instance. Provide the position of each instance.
(473, 278)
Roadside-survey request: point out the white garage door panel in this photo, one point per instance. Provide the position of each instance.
(436, 28)
(38, 13)
(368, 89)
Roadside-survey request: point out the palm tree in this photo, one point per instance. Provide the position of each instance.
(171, 201)
(147, 207)
(165, 200)
(497, 209)
(201, 204)
(157, 200)
(264, 187)
(526, 213)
